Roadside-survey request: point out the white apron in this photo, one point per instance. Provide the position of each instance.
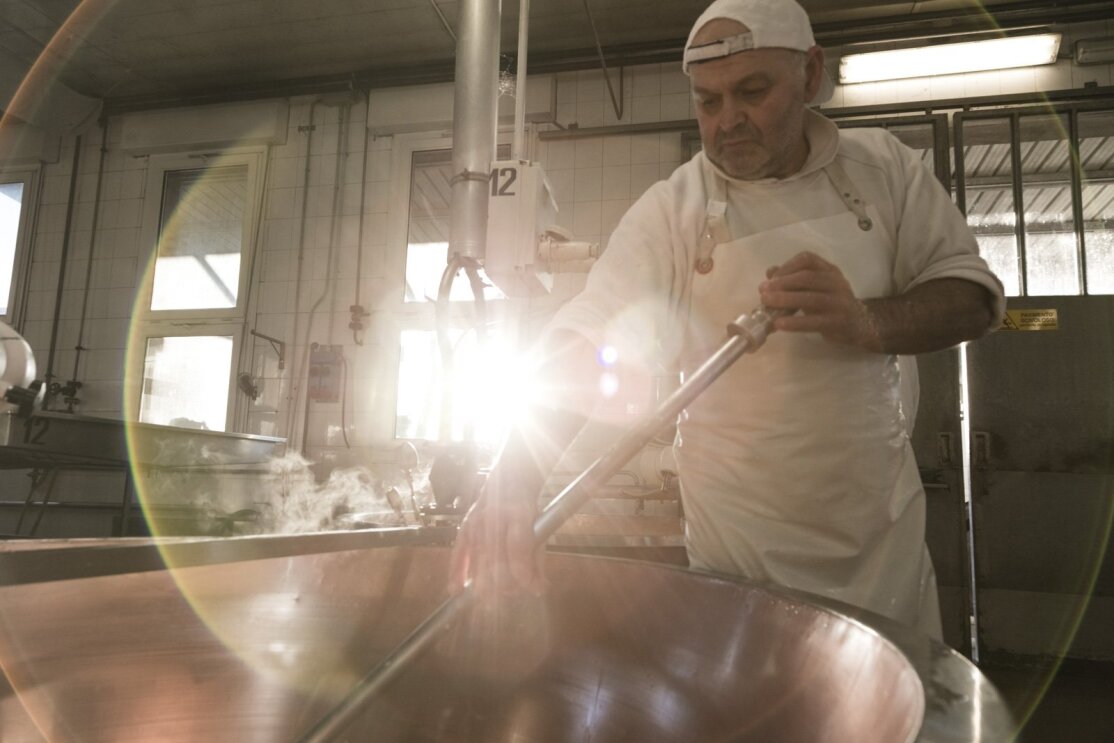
(795, 466)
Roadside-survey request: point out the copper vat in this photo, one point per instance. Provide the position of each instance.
(255, 639)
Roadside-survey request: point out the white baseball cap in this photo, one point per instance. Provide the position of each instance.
(770, 23)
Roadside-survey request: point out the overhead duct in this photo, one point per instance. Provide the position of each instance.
(474, 115)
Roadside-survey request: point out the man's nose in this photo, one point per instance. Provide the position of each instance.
(732, 115)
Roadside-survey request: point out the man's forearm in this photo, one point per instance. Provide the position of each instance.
(935, 315)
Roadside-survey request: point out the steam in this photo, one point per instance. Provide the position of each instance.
(350, 498)
(195, 489)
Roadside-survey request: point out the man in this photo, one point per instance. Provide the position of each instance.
(795, 466)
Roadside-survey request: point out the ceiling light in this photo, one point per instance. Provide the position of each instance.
(950, 59)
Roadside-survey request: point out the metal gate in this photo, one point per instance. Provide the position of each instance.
(1036, 185)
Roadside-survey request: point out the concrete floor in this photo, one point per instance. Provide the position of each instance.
(1072, 704)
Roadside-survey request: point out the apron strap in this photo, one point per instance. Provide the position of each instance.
(715, 229)
(715, 226)
(847, 191)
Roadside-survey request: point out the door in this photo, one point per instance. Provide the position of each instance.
(1042, 409)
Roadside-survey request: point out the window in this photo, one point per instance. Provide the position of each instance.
(15, 194)
(185, 381)
(200, 239)
(200, 225)
(1037, 189)
(480, 395)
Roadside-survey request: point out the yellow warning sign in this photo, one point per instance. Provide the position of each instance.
(1031, 320)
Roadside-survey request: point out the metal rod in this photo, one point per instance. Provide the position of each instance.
(747, 333)
(616, 103)
(444, 20)
(519, 148)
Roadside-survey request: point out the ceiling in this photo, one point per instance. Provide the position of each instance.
(136, 53)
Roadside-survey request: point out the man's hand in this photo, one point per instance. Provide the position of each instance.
(495, 548)
(826, 303)
(929, 317)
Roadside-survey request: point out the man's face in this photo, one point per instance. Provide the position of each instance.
(751, 107)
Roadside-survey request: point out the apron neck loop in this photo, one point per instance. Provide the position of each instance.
(715, 226)
(850, 195)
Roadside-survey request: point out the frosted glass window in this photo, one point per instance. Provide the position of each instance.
(1096, 159)
(201, 235)
(991, 213)
(186, 381)
(11, 207)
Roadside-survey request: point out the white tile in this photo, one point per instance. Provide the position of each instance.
(673, 80)
(666, 168)
(616, 182)
(110, 186)
(278, 265)
(670, 147)
(586, 220)
(642, 176)
(132, 183)
(124, 272)
(125, 243)
(273, 296)
(644, 148)
(611, 212)
(587, 184)
(646, 80)
(646, 110)
(676, 107)
(590, 86)
(280, 203)
(591, 113)
(616, 150)
(566, 114)
(566, 87)
(129, 213)
(561, 181)
(561, 155)
(1048, 78)
(588, 152)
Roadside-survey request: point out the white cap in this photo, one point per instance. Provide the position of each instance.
(771, 23)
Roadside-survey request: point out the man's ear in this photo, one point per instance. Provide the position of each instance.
(814, 70)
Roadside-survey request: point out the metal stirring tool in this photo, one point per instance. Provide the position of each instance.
(746, 334)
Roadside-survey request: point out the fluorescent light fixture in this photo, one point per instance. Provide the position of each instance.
(950, 59)
(1094, 51)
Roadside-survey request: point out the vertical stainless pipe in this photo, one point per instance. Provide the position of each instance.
(519, 147)
(474, 117)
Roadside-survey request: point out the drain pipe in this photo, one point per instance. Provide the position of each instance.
(474, 117)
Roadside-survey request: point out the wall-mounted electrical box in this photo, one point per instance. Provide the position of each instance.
(326, 373)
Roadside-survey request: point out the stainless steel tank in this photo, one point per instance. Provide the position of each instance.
(255, 639)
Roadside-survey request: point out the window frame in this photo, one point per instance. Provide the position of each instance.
(226, 321)
(30, 177)
(180, 329)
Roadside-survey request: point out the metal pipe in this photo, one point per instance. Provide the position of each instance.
(519, 147)
(747, 333)
(474, 117)
(67, 232)
(443, 19)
